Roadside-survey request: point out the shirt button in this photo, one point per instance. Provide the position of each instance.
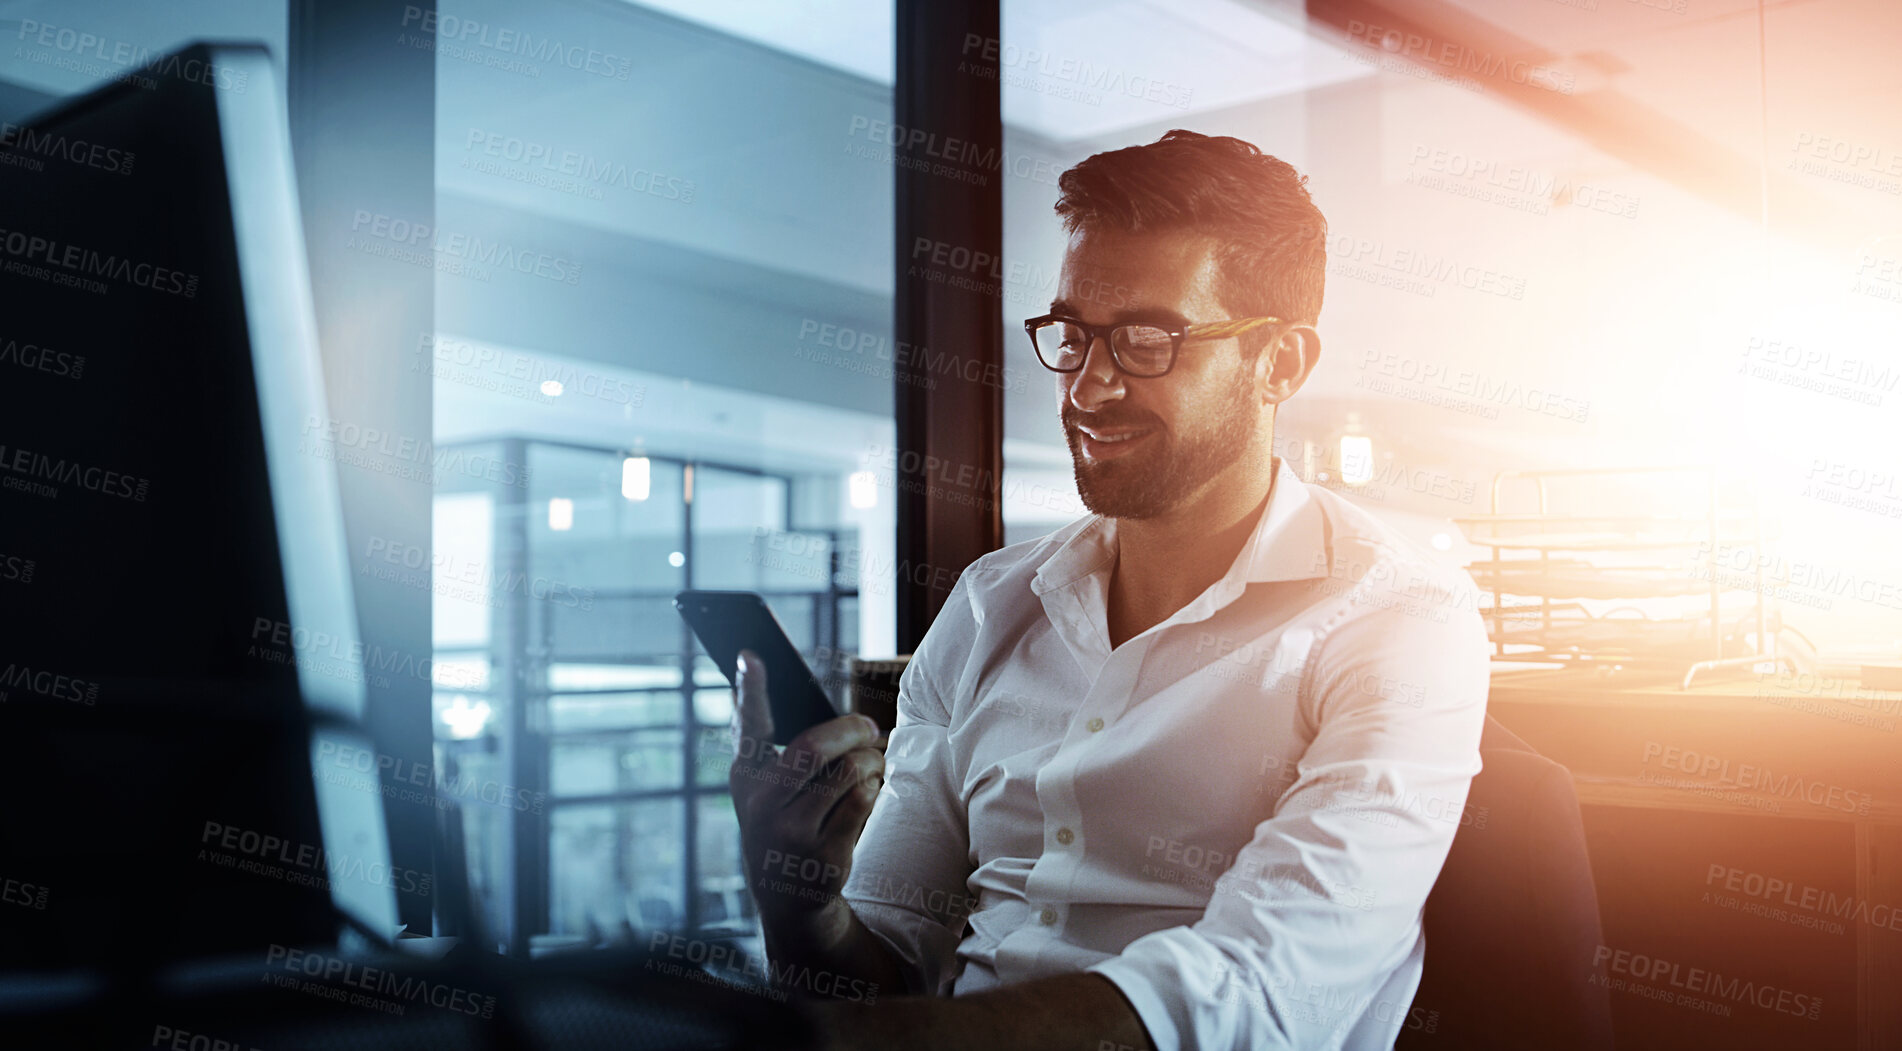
(1065, 836)
(1094, 725)
(1047, 917)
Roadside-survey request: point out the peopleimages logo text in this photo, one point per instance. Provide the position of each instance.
(74, 151)
(465, 248)
(93, 263)
(35, 358)
(82, 44)
(47, 684)
(380, 981)
(472, 33)
(26, 467)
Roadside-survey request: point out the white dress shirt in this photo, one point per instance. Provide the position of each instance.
(1234, 816)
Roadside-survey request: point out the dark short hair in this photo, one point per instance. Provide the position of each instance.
(1271, 240)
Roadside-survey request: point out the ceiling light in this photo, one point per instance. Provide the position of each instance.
(636, 477)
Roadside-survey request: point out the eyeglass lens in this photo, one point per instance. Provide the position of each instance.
(1141, 350)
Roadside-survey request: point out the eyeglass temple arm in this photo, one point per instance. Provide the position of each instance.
(1224, 329)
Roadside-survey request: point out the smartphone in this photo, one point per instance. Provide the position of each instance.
(727, 622)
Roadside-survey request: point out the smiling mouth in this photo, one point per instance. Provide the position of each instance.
(1099, 445)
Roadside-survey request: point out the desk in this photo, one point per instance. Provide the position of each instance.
(1764, 779)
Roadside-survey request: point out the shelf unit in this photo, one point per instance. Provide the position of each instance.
(1557, 563)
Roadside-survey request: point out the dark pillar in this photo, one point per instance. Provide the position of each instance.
(949, 172)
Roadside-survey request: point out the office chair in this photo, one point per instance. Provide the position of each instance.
(1512, 924)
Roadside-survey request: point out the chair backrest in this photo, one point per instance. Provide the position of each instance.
(1512, 924)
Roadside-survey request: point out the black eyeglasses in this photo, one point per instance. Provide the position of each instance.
(1144, 349)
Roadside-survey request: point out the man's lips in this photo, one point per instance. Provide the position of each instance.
(1102, 443)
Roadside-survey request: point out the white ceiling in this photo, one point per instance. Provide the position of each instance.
(850, 35)
(1072, 70)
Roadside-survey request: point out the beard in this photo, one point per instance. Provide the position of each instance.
(1149, 482)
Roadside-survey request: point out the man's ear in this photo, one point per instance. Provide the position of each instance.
(1285, 364)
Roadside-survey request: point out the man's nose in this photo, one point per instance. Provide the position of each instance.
(1099, 380)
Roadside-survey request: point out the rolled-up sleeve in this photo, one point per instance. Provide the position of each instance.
(909, 870)
(1304, 937)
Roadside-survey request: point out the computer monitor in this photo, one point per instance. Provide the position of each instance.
(180, 640)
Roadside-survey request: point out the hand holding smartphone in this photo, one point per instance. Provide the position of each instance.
(727, 622)
(807, 803)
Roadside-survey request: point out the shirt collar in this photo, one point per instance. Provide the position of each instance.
(1289, 543)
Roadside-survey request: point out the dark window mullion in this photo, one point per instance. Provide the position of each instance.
(690, 814)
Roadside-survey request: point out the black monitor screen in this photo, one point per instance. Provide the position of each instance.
(172, 571)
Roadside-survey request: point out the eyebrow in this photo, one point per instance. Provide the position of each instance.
(1166, 316)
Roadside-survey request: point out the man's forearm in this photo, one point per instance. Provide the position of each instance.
(1084, 1012)
(834, 941)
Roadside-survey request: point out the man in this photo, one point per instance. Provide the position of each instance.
(1182, 772)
